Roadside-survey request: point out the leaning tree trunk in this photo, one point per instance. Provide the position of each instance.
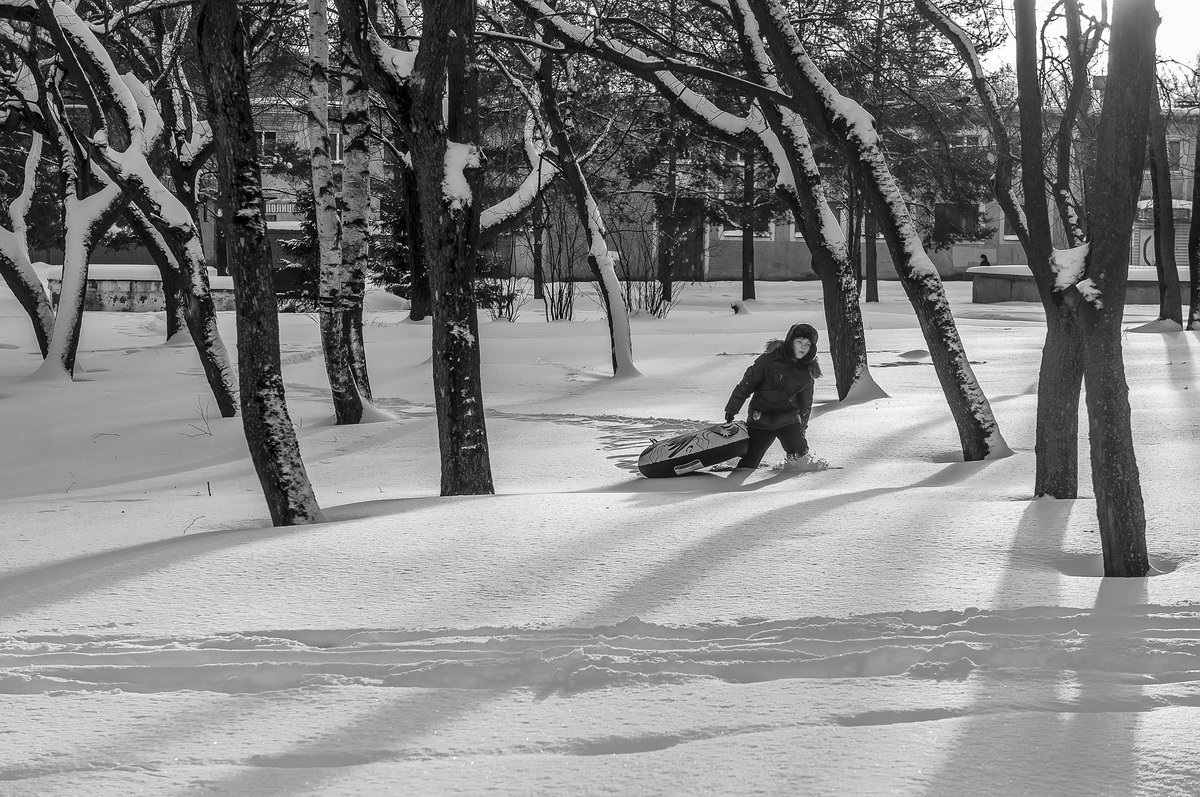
(1120, 147)
(123, 154)
(599, 258)
(1164, 217)
(174, 292)
(356, 208)
(448, 170)
(799, 181)
(86, 221)
(978, 432)
(15, 265)
(270, 435)
(332, 306)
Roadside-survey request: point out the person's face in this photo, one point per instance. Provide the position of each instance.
(801, 347)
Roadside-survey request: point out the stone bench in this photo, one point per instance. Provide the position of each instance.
(132, 288)
(990, 284)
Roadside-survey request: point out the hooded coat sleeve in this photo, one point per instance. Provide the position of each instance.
(804, 400)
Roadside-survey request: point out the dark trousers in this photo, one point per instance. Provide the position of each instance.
(791, 437)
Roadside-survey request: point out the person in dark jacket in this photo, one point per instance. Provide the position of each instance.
(781, 383)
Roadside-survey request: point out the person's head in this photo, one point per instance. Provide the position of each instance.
(801, 342)
(983, 260)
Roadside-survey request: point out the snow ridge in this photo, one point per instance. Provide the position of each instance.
(1148, 645)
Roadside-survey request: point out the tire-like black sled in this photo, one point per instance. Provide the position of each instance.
(694, 450)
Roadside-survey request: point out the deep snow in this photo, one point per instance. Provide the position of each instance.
(906, 624)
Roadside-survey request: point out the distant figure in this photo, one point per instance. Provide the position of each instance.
(983, 261)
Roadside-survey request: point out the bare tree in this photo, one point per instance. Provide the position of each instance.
(431, 94)
(1169, 306)
(15, 266)
(122, 147)
(1121, 148)
(1061, 372)
(270, 435)
(851, 128)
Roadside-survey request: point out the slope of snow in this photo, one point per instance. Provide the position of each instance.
(903, 622)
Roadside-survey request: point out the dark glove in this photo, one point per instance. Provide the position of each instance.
(729, 416)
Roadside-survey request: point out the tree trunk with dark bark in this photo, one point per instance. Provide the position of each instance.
(1121, 148)
(1169, 308)
(748, 225)
(174, 291)
(445, 153)
(1061, 374)
(871, 259)
(270, 435)
(1194, 244)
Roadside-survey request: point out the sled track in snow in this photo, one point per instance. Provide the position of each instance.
(1141, 646)
(623, 437)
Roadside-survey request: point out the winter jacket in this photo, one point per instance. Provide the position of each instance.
(781, 385)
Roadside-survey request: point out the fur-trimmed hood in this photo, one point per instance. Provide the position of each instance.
(784, 346)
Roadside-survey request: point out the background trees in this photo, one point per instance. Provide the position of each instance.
(855, 104)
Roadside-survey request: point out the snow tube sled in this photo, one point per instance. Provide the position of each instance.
(694, 450)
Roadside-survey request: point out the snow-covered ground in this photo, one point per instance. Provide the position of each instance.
(905, 623)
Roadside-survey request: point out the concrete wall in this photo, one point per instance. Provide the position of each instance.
(133, 296)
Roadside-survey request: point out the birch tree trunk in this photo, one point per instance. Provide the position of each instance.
(979, 434)
(356, 208)
(1120, 147)
(270, 435)
(333, 307)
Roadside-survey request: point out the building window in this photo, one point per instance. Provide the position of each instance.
(1175, 154)
(268, 141)
(956, 221)
(764, 230)
(1009, 231)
